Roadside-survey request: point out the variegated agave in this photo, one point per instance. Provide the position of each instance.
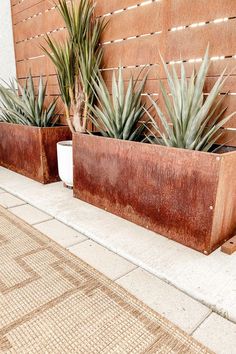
(118, 115)
(193, 123)
(26, 106)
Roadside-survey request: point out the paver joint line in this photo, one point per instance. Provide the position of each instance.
(42, 222)
(75, 244)
(137, 265)
(81, 292)
(124, 275)
(200, 323)
(151, 260)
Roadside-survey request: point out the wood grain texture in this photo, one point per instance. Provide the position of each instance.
(185, 12)
(224, 221)
(186, 44)
(229, 247)
(104, 7)
(150, 26)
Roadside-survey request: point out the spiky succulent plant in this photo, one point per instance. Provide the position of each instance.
(77, 59)
(191, 121)
(118, 115)
(25, 105)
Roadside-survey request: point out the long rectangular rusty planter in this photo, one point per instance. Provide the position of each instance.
(31, 151)
(188, 196)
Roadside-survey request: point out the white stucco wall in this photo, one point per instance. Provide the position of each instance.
(7, 56)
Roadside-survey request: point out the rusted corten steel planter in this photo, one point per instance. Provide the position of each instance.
(185, 195)
(31, 151)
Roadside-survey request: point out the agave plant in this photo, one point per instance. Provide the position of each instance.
(25, 105)
(117, 115)
(77, 60)
(191, 122)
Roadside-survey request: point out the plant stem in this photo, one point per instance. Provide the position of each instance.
(68, 119)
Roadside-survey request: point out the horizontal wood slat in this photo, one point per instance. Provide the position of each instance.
(32, 48)
(24, 5)
(152, 85)
(38, 25)
(37, 67)
(32, 12)
(135, 22)
(141, 29)
(187, 44)
(154, 71)
(42, 24)
(104, 7)
(157, 71)
(221, 38)
(14, 2)
(228, 137)
(149, 19)
(184, 12)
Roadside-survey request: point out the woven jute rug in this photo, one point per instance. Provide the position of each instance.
(53, 302)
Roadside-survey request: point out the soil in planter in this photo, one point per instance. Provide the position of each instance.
(217, 149)
(220, 149)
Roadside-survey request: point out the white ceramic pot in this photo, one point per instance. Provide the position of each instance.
(65, 162)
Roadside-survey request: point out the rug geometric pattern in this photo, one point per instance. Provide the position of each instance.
(53, 302)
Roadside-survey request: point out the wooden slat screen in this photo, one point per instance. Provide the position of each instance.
(137, 31)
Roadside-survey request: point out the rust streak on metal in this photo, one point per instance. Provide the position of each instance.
(31, 151)
(171, 191)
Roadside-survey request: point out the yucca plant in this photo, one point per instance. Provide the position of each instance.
(117, 115)
(24, 105)
(193, 122)
(77, 60)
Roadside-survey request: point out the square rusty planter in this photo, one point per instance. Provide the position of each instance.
(31, 151)
(188, 196)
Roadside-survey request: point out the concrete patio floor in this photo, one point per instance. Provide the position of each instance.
(191, 290)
